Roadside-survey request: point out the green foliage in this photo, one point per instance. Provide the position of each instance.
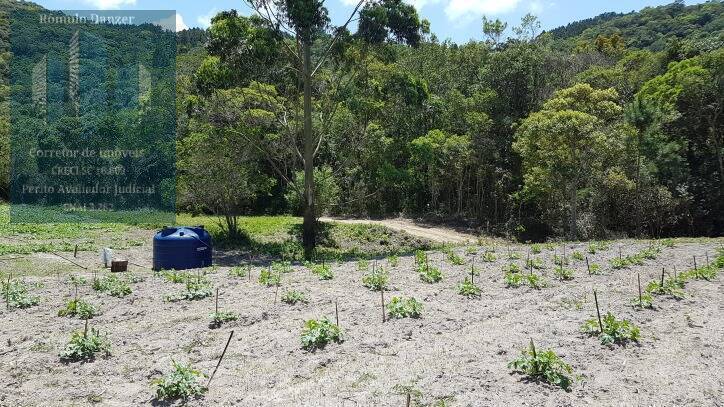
(512, 268)
(269, 278)
(393, 260)
(363, 265)
(489, 257)
(293, 297)
(614, 331)
(513, 279)
(420, 257)
(536, 249)
(646, 301)
(196, 289)
(535, 281)
(545, 366)
(16, 294)
(239, 271)
(377, 279)
(672, 287)
(576, 255)
(430, 274)
(219, 318)
(316, 334)
(323, 271)
(563, 273)
(707, 273)
(668, 243)
(454, 258)
(85, 346)
(535, 263)
(181, 383)
(468, 289)
(282, 267)
(76, 281)
(175, 276)
(560, 260)
(80, 308)
(112, 285)
(404, 308)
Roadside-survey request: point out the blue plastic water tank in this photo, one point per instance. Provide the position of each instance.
(181, 248)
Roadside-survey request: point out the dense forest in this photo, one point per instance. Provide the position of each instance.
(610, 126)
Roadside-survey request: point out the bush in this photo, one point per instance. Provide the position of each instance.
(292, 297)
(614, 330)
(404, 308)
(316, 334)
(79, 308)
(85, 346)
(376, 280)
(16, 294)
(181, 383)
(545, 366)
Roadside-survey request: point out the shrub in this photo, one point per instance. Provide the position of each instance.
(112, 285)
(377, 279)
(182, 383)
(85, 346)
(545, 366)
(468, 289)
(404, 308)
(269, 278)
(614, 331)
(563, 273)
(292, 297)
(430, 274)
(79, 308)
(219, 318)
(16, 294)
(316, 334)
(239, 271)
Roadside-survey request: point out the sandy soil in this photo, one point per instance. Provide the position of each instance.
(437, 234)
(458, 351)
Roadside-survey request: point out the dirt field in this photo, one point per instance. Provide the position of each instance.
(455, 355)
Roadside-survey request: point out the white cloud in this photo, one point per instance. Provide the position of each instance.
(172, 23)
(535, 7)
(205, 20)
(457, 9)
(180, 24)
(110, 4)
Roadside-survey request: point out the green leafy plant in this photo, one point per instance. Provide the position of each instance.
(293, 297)
(420, 257)
(512, 255)
(669, 243)
(489, 257)
(453, 258)
(468, 288)
(512, 268)
(592, 248)
(84, 345)
(545, 366)
(563, 273)
(377, 279)
(471, 250)
(535, 281)
(645, 301)
(76, 281)
(196, 289)
(239, 271)
(393, 260)
(577, 255)
(560, 260)
(316, 334)
(707, 273)
(79, 308)
(219, 318)
(363, 265)
(181, 383)
(404, 308)
(614, 331)
(269, 278)
(513, 280)
(112, 285)
(430, 274)
(323, 271)
(282, 267)
(595, 268)
(671, 287)
(16, 294)
(650, 252)
(174, 276)
(536, 249)
(535, 263)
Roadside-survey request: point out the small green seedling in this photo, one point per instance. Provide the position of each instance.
(269, 278)
(393, 260)
(563, 273)
(420, 257)
(196, 289)
(489, 257)
(220, 317)
(293, 297)
(535, 281)
(316, 334)
(363, 265)
(535, 263)
(453, 258)
(377, 279)
(513, 280)
(707, 273)
(404, 308)
(323, 271)
(536, 249)
(282, 267)
(468, 288)
(545, 366)
(174, 276)
(645, 300)
(471, 250)
(181, 383)
(512, 268)
(611, 330)
(15, 293)
(76, 281)
(577, 255)
(238, 271)
(112, 285)
(84, 345)
(430, 274)
(78, 308)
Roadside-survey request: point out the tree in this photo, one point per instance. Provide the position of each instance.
(493, 30)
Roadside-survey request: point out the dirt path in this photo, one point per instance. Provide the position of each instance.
(421, 230)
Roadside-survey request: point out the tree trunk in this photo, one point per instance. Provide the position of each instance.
(309, 227)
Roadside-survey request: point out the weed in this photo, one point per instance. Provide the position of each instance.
(377, 279)
(181, 383)
(112, 285)
(468, 289)
(614, 330)
(79, 308)
(563, 273)
(404, 308)
(269, 278)
(84, 345)
(316, 334)
(430, 274)
(218, 318)
(577, 255)
(16, 294)
(545, 366)
(293, 296)
(239, 271)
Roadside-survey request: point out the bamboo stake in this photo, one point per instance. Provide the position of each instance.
(694, 263)
(588, 266)
(220, 359)
(382, 294)
(641, 301)
(336, 311)
(598, 311)
(75, 251)
(85, 330)
(663, 270)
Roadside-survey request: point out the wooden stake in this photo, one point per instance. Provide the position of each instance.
(75, 252)
(620, 256)
(663, 270)
(588, 266)
(707, 258)
(409, 400)
(85, 330)
(336, 312)
(598, 311)
(382, 294)
(694, 263)
(220, 359)
(472, 274)
(638, 277)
